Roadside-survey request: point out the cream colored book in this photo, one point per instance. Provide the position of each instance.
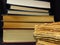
(15, 35)
(25, 13)
(27, 9)
(28, 18)
(30, 3)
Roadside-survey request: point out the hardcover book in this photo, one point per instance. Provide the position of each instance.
(25, 8)
(18, 35)
(26, 13)
(31, 3)
(35, 19)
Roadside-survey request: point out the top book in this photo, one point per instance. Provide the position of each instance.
(30, 3)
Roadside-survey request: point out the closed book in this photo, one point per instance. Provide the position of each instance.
(35, 19)
(26, 13)
(19, 25)
(29, 9)
(18, 35)
(30, 3)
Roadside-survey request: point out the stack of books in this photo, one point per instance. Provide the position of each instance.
(25, 10)
(21, 28)
(47, 34)
(21, 19)
(25, 21)
(28, 7)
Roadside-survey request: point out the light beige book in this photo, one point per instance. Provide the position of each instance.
(11, 35)
(30, 3)
(27, 9)
(25, 13)
(28, 18)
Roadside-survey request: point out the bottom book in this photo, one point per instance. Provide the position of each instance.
(12, 36)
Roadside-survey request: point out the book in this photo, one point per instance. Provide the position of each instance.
(31, 3)
(36, 19)
(29, 9)
(19, 25)
(15, 35)
(26, 13)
